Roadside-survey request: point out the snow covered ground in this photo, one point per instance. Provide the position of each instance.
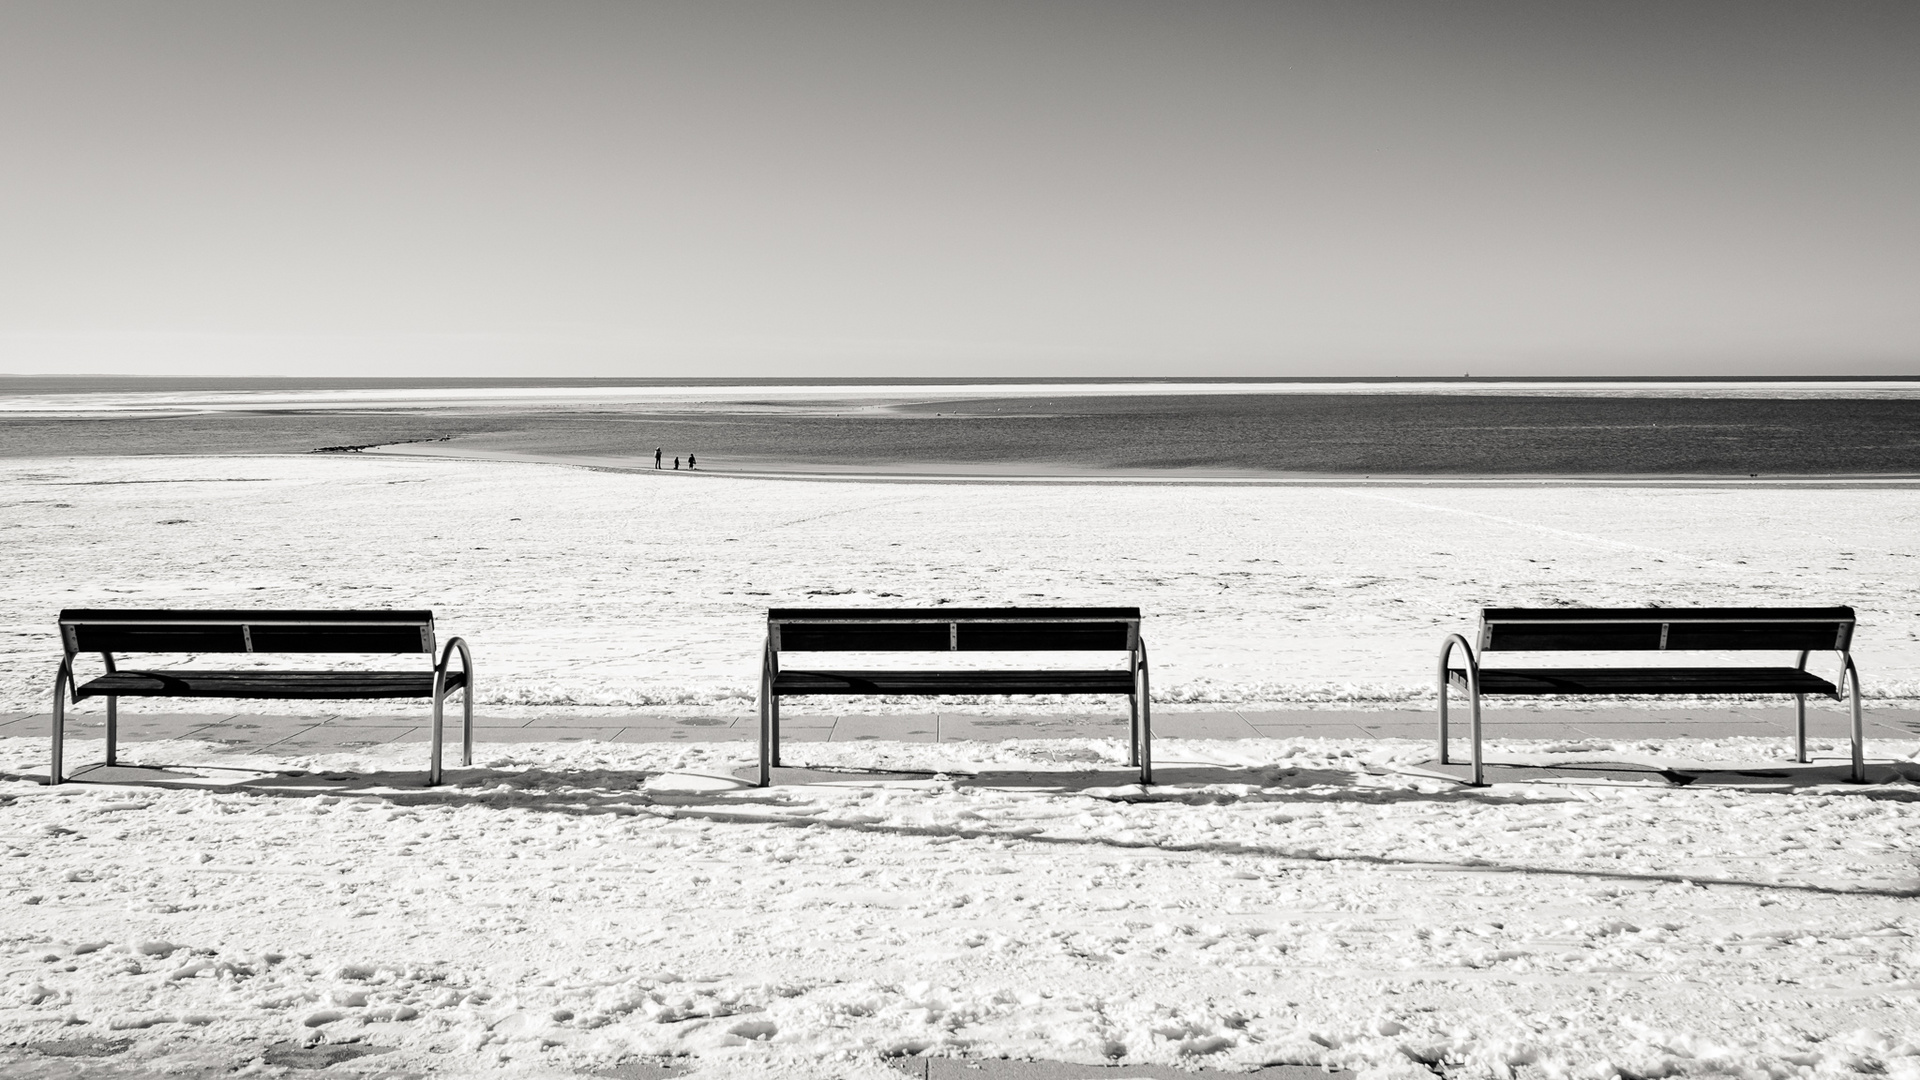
(581, 589)
(565, 908)
(562, 908)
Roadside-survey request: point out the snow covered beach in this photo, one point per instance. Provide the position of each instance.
(564, 908)
(605, 589)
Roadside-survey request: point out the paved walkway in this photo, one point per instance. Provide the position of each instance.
(313, 734)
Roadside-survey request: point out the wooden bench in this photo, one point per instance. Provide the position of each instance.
(958, 630)
(1802, 630)
(108, 632)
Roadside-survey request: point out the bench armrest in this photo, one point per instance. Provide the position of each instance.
(65, 680)
(71, 678)
(1446, 654)
(434, 772)
(446, 654)
(1476, 775)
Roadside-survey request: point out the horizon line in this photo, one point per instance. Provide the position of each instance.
(869, 380)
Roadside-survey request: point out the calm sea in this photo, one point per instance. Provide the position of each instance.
(1575, 432)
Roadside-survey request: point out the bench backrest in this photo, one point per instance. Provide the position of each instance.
(953, 629)
(110, 631)
(1664, 629)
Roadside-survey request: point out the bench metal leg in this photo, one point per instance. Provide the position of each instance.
(439, 716)
(766, 735)
(769, 736)
(1852, 676)
(466, 724)
(769, 715)
(1133, 730)
(1800, 728)
(1800, 713)
(1859, 741)
(1473, 721)
(56, 772)
(1143, 716)
(435, 772)
(113, 729)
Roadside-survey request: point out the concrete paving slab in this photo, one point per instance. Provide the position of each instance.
(9, 719)
(396, 719)
(710, 727)
(556, 734)
(1509, 708)
(1333, 730)
(548, 722)
(787, 730)
(1202, 725)
(1885, 726)
(914, 727)
(130, 732)
(1401, 730)
(131, 719)
(1307, 717)
(1459, 732)
(1263, 717)
(792, 735)
(321, 739)
(502, 721)
(251, 735)
(1633, 729)
(260, 726)
(669, 733)
(961, 728)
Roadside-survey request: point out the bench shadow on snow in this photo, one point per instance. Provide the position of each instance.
(729, 800)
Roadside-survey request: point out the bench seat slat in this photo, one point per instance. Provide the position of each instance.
(1648, 681)
(951, 614)
(255, 616)
(926, 683)
(268, 684)
(1658, 615)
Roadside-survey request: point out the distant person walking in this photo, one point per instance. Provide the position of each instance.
(689, 461)
(676, 464)
(656, 457)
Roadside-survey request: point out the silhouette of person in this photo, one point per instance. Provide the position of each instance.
(689, 461)
(676, 464)
(656, 457)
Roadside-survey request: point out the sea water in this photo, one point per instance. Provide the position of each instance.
(1364, 429)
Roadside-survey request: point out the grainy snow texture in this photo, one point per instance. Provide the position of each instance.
(584, 588)
(563, 908)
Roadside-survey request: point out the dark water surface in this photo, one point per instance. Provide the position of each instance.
(1337, 434)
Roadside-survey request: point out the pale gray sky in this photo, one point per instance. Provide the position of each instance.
(960, 188)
